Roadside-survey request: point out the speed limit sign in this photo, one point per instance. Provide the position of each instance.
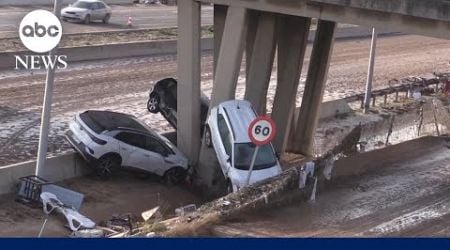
(261, 130)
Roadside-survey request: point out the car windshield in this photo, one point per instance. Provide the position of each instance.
(82, 5)
(244, 152)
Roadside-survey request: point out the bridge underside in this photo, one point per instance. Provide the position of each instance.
(261, 29)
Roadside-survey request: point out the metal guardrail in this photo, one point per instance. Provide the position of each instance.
(406, 85)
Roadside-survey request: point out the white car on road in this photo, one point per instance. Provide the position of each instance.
(111, 140)
(87, 11)
(226, 131)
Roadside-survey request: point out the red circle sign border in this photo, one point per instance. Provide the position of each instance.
(272, 135)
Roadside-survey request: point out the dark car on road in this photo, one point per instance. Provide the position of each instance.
(163, 99)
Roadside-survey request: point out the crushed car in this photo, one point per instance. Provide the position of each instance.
(226, 131)
(163, 99)
(110, 141)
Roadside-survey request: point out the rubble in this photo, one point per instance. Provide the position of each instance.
(75, 220)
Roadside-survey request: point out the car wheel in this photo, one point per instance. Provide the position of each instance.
(175, 175)
(87, 19)
(208, 140)
(107, 165)
(106, 18)
(153, 104)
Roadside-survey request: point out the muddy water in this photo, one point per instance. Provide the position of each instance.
(404, 192)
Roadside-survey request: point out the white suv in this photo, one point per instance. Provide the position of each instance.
(112, 140)
(226, 131)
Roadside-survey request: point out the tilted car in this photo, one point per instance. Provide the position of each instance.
(226, 132)
(111, 140)
(163, 99)
(87, 11)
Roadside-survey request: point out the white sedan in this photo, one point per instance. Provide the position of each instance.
(87, 11)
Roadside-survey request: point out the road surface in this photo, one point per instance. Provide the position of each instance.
(123, 85)
(152, 16)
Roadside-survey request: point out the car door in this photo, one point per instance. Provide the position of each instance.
(133, 149)
(225, 144)
(158, 153)
(128, 144)
(102, 11)
(95, 11)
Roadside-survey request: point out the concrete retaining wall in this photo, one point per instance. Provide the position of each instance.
(345, 167)
(50, 2)
(57, 169)
(333, 108)
(108, 51)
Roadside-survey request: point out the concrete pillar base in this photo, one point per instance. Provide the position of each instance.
(208, 172)
(292, 41)
(188, 101)
(314, 88)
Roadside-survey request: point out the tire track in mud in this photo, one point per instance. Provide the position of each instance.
(15, 135)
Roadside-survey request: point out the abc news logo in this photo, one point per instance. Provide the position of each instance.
(40, 31)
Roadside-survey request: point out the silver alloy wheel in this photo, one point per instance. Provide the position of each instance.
(152, 104)
(106, 166)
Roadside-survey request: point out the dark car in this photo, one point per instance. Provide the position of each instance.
(163, 99)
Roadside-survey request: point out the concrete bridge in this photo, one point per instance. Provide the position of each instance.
(261, 27)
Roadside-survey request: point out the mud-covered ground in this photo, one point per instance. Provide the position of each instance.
(404, 192)
(123, 85)
(401, 190)
(124, 194)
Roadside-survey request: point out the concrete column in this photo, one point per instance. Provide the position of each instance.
(261, 62)
(230, 55)
(314, 88)
(292, 41)
(220, 13)
(250, 40)
(188, 112)
(208, 172)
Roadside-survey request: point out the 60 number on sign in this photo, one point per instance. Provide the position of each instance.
(261, 130)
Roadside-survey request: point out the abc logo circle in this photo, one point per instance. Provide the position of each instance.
(40, 31)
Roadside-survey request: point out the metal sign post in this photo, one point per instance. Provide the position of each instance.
(250, 170)
(261, 131)
(370, 71)
(46, 109)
